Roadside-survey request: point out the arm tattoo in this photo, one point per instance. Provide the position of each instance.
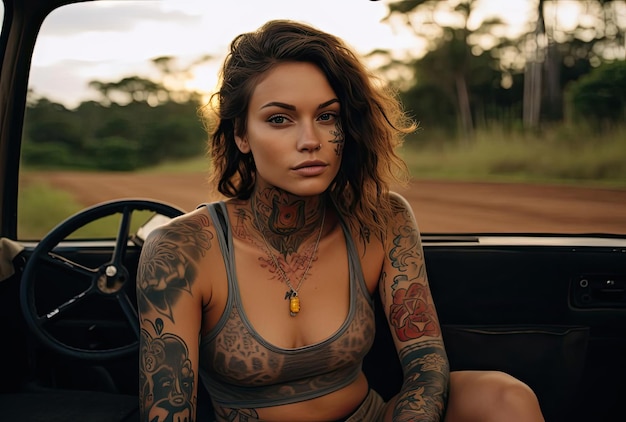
(412, 316)
(412, 312)
(166, 377)
(169, 263)
(425, 390)
(406, 253)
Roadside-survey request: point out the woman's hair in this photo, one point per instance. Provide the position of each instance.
(372, 121)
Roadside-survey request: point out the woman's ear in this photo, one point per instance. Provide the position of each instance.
(242, 144)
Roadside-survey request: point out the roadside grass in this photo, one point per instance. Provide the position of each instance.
(192, 165)
(565, 155)
(42, 207)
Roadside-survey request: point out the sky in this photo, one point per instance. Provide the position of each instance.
(108, 40)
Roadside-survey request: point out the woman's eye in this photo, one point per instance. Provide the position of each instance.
(326, 117)
(277, 120)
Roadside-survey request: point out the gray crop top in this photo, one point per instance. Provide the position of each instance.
(255, 373)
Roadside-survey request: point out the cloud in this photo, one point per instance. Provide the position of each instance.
(61, 81)
(112, 17)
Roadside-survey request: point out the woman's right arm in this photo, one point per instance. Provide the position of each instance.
(170, 313)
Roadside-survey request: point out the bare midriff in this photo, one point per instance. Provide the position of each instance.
(333, 406)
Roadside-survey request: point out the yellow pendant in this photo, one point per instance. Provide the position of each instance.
(294, 304)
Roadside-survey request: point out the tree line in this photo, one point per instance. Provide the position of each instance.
(136, 123)
(119, 137)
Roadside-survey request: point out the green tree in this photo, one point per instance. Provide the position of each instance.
(115, 153)
(485, 77)
(53, 124)
(455, 61)
(448, 50)
(600, 96)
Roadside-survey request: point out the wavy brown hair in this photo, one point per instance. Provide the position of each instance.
(372, 119)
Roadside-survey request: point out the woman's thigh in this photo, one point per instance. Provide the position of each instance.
(490, 396)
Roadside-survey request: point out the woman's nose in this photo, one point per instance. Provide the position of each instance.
(309, 139)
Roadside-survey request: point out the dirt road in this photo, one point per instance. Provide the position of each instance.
(440, 207)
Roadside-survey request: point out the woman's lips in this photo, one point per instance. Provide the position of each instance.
(312, 168)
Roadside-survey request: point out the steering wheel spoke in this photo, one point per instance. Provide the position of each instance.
(65, 306)
(121, 243)
(63, 263)
(130, 312)
(110, 281)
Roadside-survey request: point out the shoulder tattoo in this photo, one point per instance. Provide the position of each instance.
(169, 261)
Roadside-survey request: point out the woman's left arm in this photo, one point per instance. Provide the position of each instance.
(412, 318)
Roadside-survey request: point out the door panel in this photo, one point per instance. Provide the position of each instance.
(519, 309)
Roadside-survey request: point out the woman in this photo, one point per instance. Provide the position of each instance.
(266, 296)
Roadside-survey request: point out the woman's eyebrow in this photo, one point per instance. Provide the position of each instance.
(327, 103)
(293, 108)
(279, 104)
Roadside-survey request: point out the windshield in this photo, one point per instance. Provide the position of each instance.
(521, 120)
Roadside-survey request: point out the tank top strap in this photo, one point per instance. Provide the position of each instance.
(354, 264)
(219, 217)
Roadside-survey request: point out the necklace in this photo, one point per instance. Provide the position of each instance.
(292, 293)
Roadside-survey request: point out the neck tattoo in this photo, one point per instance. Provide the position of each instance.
(292, 293)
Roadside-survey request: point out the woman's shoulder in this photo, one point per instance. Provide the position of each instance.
(182, 254)
(402, 211)
(398, 200)
(192, 229)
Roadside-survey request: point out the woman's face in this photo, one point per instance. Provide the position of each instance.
(293, 129)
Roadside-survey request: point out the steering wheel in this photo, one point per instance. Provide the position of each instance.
(109, 281)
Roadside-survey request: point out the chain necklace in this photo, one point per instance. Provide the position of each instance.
(292, 293)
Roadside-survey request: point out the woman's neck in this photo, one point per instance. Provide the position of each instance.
(285, 220)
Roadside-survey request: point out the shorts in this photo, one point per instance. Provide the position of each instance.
(372, 409)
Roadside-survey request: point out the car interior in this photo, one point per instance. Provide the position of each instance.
(547, 307)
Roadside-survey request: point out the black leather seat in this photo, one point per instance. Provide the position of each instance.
(68, 406)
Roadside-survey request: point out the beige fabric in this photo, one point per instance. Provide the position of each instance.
(8, 251)
(371, 410)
